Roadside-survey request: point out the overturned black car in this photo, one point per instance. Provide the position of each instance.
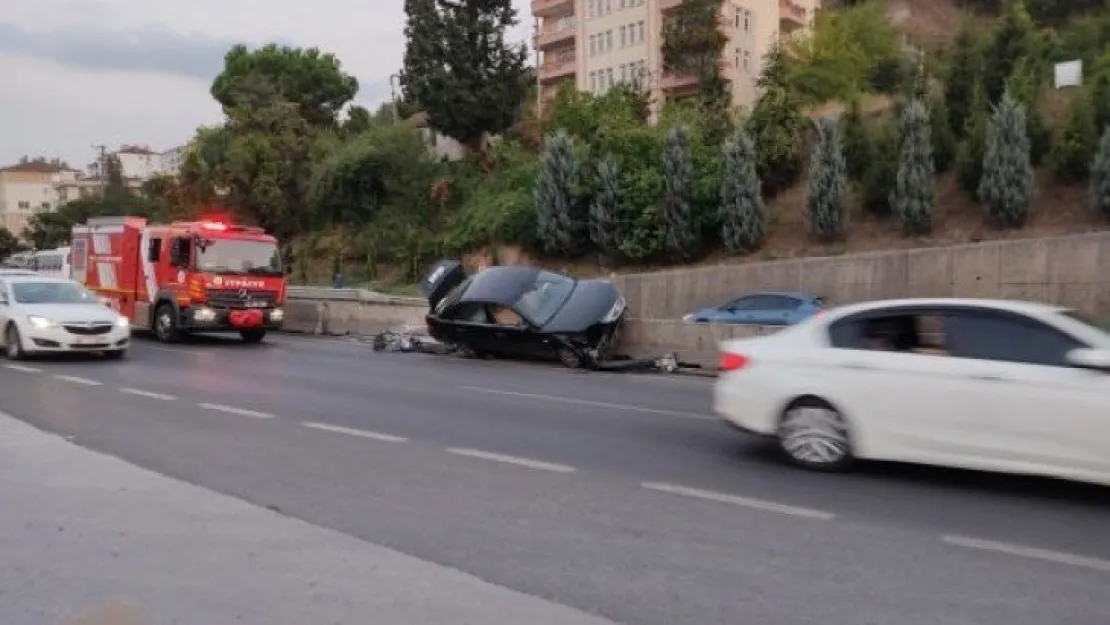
(523, 312)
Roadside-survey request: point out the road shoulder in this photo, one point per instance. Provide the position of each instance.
(82, 531)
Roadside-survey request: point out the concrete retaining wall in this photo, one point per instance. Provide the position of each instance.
(342, 317)
(1069, 271)
(1063, 270)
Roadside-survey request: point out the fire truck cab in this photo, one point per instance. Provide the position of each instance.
(183, 277)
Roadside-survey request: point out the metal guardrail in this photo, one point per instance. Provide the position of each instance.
(327, 294)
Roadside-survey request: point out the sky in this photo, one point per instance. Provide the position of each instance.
(79, 73)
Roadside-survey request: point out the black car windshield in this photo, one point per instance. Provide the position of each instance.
(544, 297)
(52, 293)
(229, 255)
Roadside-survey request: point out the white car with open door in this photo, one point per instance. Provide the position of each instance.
(993, 385)
(43, 314)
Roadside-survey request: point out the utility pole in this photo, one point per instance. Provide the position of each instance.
(393, 98)
(102, 159)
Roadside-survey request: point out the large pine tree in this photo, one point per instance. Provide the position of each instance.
(459, 69)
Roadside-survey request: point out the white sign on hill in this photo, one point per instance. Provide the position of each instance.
(1069, 74)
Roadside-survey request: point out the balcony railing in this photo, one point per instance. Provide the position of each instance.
(669, 82)
(557, 68)
(565, 29)
(791, 15)
(545, 7)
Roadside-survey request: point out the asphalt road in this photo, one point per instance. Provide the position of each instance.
(618, 495)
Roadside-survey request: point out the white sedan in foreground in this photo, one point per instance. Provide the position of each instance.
(994, 385)
(41, 314)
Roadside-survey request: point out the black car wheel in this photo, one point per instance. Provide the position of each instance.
(165, 324)
(569, 357)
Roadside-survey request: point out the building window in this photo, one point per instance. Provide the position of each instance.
(591, 8)
(609, 76)
(640, 31)
(608, 40)
(624, 36)
(747, 61)
(747, 21)
(25, 205)
(593, 82)
(46, 206)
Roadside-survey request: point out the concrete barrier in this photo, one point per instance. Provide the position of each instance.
(1066, 270)
(339, 312)
(692, 342)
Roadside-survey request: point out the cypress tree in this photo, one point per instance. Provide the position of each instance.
(914, 196)
(605, 210)
(1076, 145)
(828, 183)
(678, 179)
(858, 149)
(743, 214)
(554, 196)
(1100, 176)
(1007, 185)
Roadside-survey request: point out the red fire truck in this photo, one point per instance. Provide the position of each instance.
(183, 277)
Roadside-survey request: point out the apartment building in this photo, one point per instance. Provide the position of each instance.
(30, 188)
(596, 44)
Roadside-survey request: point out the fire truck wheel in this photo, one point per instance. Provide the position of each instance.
(165, 324)
(13, 346)
(252, 336)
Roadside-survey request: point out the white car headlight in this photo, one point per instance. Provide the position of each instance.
(40, 322)
(614, 312)
(277, 314)
(689, 317)
(123, 322)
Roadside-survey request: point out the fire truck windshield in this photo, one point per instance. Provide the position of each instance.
(234, 256)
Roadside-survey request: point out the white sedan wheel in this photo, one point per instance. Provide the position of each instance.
(815, 435)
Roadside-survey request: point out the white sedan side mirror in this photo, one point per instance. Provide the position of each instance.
(1097, 359)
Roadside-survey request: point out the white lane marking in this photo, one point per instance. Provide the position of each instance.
(78, 380)
(587, 402)
(175, 350)
(141, 393)
(757, 504)
(22, 368)
(1059, 557)
(338, 429)
(243, 412)
(522, 462)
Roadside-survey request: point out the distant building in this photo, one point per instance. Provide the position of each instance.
(593, 45)
(30, 188)
(171, 160)
(439, 145)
